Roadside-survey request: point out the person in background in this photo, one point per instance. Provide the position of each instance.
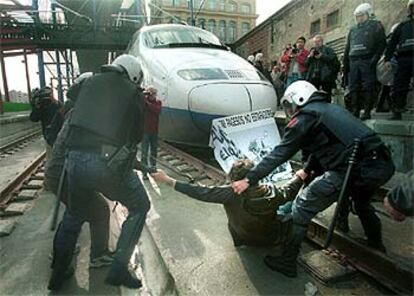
(152, 112)
(402, 42)
(365, 45)
(295, 61)
(277, 80)
(260, 65)
(45, 109)
(323, 66)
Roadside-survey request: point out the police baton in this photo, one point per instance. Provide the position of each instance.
(351, 162)
(58, 198)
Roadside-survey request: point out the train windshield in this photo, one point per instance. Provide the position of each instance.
(181, 37)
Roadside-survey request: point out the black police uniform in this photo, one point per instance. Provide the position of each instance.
(106, 126)
(401, 43)
(365, 44)
(326, 132)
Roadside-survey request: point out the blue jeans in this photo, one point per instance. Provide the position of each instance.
(149, 141)
(69, 228)
(88, 173)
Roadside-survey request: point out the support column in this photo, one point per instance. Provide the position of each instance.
(66, 56)
(4, 75)
(59, 76)
(40, 61)
(57, 57)
(29, 89)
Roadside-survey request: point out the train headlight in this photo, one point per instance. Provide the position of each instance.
(203, 74)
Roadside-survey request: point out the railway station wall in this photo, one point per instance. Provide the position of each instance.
(331, 18)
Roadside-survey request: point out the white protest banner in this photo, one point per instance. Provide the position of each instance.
(250, 135)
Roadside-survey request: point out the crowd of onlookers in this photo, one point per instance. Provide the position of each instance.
(375, 70)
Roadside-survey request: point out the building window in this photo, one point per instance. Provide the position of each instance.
(222, 5)
(232, 6)
(332, 19)
(211, 26)
(175, 2)
(212, 4)
(231, 36)
(222, 30)
(202, 23)
(245, 8)
(245, 27)
(315, 27)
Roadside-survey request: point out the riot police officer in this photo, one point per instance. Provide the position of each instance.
(106, 126)
(326, 133)
(364, 47)
(402, 41)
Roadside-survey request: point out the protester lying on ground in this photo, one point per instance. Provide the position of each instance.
(252, 218)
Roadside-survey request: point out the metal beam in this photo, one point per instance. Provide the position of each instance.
(29, 90)
(4, 75)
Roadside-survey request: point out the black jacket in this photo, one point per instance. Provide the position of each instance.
(402, 40)
(325, 68)
(45, 114)
(325, 131)
(367, 41)
(244, 226)
(109, 110)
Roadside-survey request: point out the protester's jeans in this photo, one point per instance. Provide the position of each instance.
(88, 173)
(149, 141)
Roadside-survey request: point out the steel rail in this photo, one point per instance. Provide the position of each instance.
(7, 193)
(16, 142)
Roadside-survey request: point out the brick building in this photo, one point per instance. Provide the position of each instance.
(228, 19)
(331, 18)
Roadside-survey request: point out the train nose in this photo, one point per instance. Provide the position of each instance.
(207, 102)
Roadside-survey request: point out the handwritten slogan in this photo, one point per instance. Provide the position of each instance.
(250, 135)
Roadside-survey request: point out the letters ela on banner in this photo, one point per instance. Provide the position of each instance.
(250, 135)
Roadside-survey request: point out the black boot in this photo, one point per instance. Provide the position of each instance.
(356, 107)
(119, 274)
(286, 263)
(61, 271)
(368, 103)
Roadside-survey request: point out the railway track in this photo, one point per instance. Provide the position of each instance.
(385, 270)
(21, 182)
(16, 145)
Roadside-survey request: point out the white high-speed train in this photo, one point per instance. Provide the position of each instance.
(198, 79)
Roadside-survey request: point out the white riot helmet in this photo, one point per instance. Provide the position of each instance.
(82, 77)
(297, 95)
(364, 8)
(250, 58)
(131, 65)
(409, 3)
